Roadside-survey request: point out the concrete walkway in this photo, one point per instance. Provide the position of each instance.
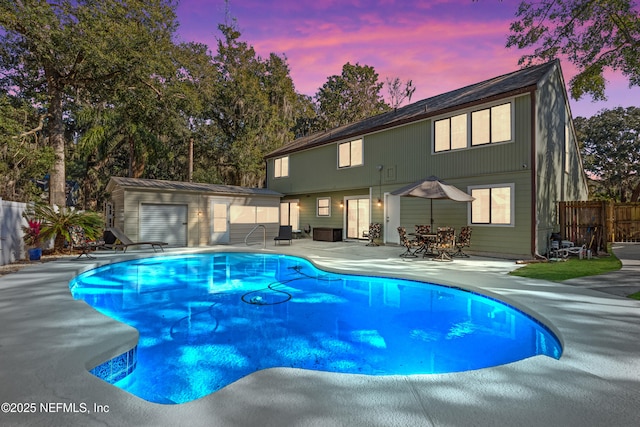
(47, 341)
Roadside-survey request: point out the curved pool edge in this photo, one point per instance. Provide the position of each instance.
(464, 285)
(122, 347)
(461, 285)
(592, 385)
(115, 356)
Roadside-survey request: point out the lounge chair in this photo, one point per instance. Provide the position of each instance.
(123, 242)
(78, 240)
(285, 233)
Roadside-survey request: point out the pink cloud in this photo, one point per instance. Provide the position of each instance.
(440, 45)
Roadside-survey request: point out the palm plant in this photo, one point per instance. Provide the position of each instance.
(55, 223)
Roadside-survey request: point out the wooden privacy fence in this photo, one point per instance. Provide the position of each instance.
(596, 223)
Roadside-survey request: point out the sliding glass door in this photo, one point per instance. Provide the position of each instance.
(357, 216)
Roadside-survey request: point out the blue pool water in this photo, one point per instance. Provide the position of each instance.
(208, 320)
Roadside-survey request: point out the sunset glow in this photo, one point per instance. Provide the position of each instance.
(440, 45)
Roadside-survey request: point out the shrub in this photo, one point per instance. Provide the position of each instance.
(55, 223)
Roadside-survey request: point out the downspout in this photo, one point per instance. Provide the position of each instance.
(534, 186)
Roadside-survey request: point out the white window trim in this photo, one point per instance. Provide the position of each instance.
(468, 112)
(277, 170)
(351, 165)
(512, 186)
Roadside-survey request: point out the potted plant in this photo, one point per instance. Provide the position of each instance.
(33, 238)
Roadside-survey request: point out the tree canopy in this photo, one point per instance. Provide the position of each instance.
(93, 89)
(349, 97)
(611, 152)
(57, 53)
(594, 35)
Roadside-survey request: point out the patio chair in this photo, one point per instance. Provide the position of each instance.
(463, 240)
(425, 243)
(561, 249)
(445, 243)
(409, 244)
(284, 233)
(123, 242)
(374, 233)
(78, 240)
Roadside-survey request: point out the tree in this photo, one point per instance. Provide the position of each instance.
(54, 53)
(143, 133)
(611, 152)
(252, 107)
(398, 93)
(594, 35)
(354, 95)
(23, 153)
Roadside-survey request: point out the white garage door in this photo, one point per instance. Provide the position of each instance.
(165, 223)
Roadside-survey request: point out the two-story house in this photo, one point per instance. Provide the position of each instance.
(508, 141)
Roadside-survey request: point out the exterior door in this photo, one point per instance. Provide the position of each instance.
(164, 223)
(392, 218)
(357, 216)
(219, 222)
(289, 214)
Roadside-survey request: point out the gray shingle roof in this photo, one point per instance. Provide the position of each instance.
(158, 184)
(520, 81)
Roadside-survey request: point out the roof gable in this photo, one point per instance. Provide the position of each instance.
(520, 81)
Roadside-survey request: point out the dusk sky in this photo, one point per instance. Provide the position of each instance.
(441, 45)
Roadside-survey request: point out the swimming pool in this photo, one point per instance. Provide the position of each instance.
(208, 320)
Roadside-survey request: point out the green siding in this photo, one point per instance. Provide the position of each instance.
(494, 240)
(406, 156)
(307, 206)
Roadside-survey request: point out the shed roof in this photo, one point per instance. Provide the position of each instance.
(162, 185)
(516, 82)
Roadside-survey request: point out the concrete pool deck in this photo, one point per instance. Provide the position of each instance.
(48, 340)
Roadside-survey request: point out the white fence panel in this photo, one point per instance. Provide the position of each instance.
(12, 246)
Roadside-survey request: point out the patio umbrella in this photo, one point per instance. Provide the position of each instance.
(433, 188)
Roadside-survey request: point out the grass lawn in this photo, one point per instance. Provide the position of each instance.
(569, 269)
(635, 296)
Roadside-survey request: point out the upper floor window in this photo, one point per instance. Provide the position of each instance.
(350, 154)
(479, 127)
(324, 206)
(493, 205)
(491, 125)
(451, 133)
(281, 167)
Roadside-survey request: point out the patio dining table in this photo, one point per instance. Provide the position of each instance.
(427, 241)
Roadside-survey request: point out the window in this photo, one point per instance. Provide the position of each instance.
(480, 127)
(350, 154)
(324, 206)
(493, 205)
(281, 167)
(451, 133)
(240, 214)
(491, 125)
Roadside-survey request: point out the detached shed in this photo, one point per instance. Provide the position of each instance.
(189, 214)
